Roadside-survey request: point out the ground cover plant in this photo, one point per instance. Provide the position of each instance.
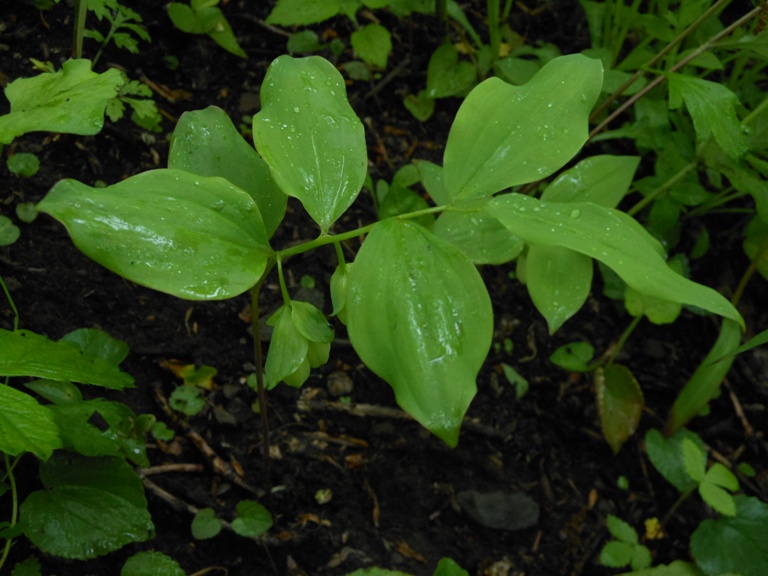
(418, 265)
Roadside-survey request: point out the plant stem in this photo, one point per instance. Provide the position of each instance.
(283, 287)
(663, 188)
(260, 389)
(14, 505)
(81, 11)
(659, 79)
(12, 305)
(623, 339)
(493, 7)
(754, 263)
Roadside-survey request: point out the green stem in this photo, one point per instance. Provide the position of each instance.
(283, 287)
(683, 497)
(749, 118)
(663, 188)
(751, 269)
(493, 7)
(81, 11)
(11, 303)
(260, 388)
(14, 505)
(340, 255)
(623, 339)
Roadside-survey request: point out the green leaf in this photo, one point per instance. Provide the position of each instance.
(304, 41)
(92, 506)
(612, 237)
(616, 554)
(338, 287)
(302, 12)
(574, 357)
(713, 109)
(755, 236)
(28, 354)
(760, 339)
(620, 403)
(694, 464)
(189, 236)
(676, 568)
(56, 391)
(287, 349)
(71, 100)
(558, 280)
(734, 544)
(505, 135)
(206, 142)
(9, 232)
(420, 105)
(252, 519)
(713, 489)
(705, 382)
(98, 344)
(431, 176)
(447, 76)
(448, 567)
(23, 164)
(602, 180)
(151, 564)
(310, 322)
(26, 425)
(28, 567)
(310, 137)
(420, 317)
(372, 43)
(223, 35)
(205, 525)
(479, 235)
(188, 400)
(621, 530)
(666, 455)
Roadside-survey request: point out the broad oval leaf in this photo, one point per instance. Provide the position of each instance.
(151, 564)
(734, 544)
(602, 180)
(612, 237)
(190, 236)
(420, 317)
(558, 280)
(505, 135)
(620, 403)
(26, 425)
(252, 519)
(310, 137)
(205, 142)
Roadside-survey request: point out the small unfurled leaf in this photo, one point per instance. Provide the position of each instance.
(372, 43)
(252, 519)
(713, 109)
(311, 137)
(71, 101)
(558, 280)
(151, 564)
(705, 382)
(735, 544)
(26, 425)
(620, 403)
(505, 135)
(205, 524)
(420, 317)
(9, 232)
(206, 142)
(187, 235)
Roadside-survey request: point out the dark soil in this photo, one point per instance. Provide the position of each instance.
(393, 486)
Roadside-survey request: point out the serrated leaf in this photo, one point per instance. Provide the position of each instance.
(206, 142)
(713, 109)
(92, 506)
(205, 525)
(71, 100)
(558, 281)
(666, 455)
(420, 317)
(734, 544)
(151, 564)
(610, 236)
(505, 135)
(717, 498)
(311, 137)
(621, 530)
(620, 403)
(252, 519)
(26, 425)
(372, 43)
(28, 354)
(187, 235)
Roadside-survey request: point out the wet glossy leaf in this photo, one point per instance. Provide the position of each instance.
(505, 135)
(71, 100)
(431, 176)
(310, 137)
(734, 544)
(206, 142)
(26, 425)
(29, 354)
(479, 235)
(420, 317)
(620, 403)
(705, 382)
(602, 180)
(190, 236)
(612, 237)
(558, 280)
(151, 564)
(91, 506)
